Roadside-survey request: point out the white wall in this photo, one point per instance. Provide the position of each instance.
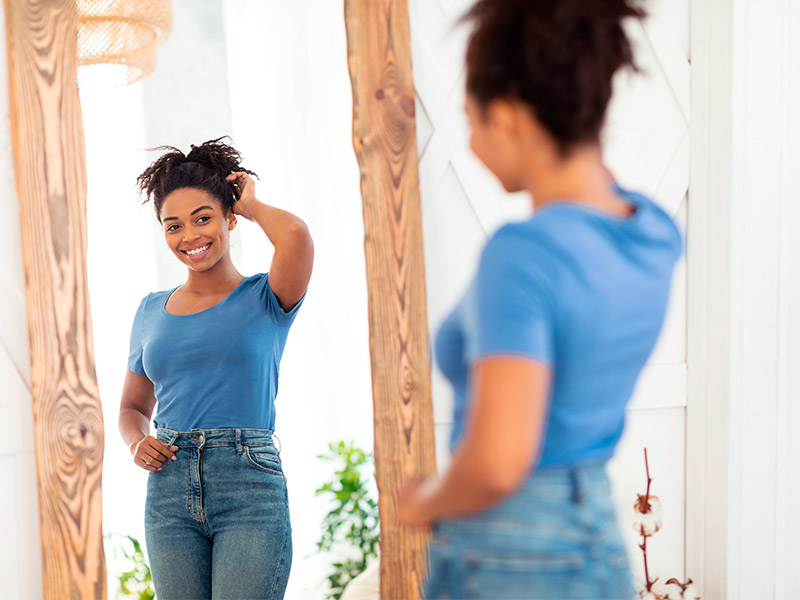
(20, 550)
(744, 323)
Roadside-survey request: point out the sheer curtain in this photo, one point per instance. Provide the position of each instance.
(292, 112)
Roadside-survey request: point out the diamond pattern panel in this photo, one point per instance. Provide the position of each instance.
(646, 138)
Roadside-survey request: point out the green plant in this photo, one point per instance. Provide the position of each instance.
(353, 520)
(135, 578)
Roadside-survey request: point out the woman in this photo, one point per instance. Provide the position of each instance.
(545, 347)
(208, 351)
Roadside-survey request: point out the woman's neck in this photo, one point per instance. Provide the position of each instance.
(580, 178)
(223, 276)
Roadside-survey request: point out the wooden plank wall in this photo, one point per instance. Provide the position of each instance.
(47, 134)
(384, 138)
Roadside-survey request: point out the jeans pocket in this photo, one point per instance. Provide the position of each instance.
(517, 575)
(264, 459)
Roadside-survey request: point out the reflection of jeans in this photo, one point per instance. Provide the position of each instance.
(217, 519)
(556, 538)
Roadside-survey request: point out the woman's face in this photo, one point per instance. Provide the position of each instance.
(196, 228)
(495, 140)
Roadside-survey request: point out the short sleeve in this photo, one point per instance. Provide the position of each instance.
(270, 300)
(135, 354)
(514, 307)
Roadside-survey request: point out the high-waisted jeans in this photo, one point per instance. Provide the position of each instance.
(217, 518)
(556, 538)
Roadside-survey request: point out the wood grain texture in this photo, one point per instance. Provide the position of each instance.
(49, 160)
(384, 138)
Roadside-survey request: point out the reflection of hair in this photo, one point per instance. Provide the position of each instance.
(557, 56)
(205, 168)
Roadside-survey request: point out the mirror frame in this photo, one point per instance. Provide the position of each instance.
(50, 173)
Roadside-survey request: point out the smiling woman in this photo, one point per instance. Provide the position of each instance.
(208, 351)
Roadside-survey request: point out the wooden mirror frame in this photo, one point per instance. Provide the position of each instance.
(385, 141)
(50, 167)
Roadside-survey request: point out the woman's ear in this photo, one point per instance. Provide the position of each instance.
(502, 119)
(231, 220)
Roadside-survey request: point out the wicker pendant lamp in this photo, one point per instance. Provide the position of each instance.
(117, 40)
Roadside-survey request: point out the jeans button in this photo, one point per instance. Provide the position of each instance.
(202, 438)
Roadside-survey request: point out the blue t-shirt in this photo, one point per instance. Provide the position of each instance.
(581, 291)
(216, 368)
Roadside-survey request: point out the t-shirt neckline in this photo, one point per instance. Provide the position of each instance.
(205, 310)
(629, 197)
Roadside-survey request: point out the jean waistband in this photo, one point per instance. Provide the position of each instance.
(209, 438)
(574, 482)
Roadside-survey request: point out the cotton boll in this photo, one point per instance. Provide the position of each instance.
(660, 590)
(673, 591)
(691, 593)
(647, 515)
(656, 592)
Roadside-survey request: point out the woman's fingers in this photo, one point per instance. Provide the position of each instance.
(151, 453)
(141, 462)
(243, 183)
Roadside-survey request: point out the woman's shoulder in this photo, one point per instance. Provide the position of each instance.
(530, 238)
(151, 300)
(524, 249)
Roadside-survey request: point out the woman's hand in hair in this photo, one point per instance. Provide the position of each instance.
(246, 191)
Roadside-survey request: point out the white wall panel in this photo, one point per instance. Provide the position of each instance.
(787, 525)
(20, 552)
(745, 307)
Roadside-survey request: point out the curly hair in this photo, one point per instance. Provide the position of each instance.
(557, 56)
(205, 167)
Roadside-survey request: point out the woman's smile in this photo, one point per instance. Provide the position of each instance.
(196, 251)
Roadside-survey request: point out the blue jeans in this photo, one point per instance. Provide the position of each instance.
(217, 518)
(556, 538)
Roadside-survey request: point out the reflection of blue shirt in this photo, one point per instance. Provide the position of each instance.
(216, 368)
(582, 291)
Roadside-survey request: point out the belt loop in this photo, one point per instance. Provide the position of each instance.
(576, 485)
(238, 441)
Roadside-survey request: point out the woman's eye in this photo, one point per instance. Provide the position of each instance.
(203, 219)
(172, 228)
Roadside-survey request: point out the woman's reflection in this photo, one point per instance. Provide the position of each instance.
(209, 352)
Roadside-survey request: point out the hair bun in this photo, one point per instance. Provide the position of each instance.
(216, 155)
(205, 167)
(556, 56)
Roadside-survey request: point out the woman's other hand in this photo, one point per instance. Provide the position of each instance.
(150, 453)
(413, 500)
(246, 188)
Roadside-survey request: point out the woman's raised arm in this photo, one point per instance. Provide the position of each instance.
(293, 260)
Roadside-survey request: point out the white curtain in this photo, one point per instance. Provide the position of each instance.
(292, 112)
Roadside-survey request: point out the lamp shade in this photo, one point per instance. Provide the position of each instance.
(117, 39)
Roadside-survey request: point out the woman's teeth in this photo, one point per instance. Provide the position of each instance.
(198, 251)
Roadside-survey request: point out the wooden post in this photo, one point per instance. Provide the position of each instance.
(384, 137)
(47, 135)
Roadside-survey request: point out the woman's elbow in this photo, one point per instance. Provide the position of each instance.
(503, 480)
(300, 238)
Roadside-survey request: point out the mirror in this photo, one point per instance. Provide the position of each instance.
(273, 75)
